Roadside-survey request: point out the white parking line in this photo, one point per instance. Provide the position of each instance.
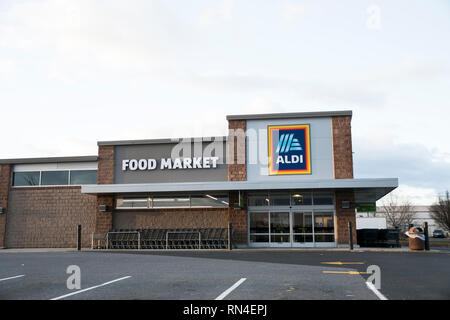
(19, 276)
(90, 288)
(375, 290)
(227, 292)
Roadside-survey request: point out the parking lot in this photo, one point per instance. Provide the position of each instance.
(240, 274)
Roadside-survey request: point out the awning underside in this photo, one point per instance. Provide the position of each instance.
(365, 190)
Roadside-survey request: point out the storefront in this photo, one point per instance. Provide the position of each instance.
(281, 180)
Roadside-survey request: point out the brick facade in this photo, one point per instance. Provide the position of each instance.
(343, 169)
(47, 217)
(5, 176)
(343, 217)
(238, 218)
(105, 175)
(236, 150)
(237, 171)
(170, 218)
(342, 147)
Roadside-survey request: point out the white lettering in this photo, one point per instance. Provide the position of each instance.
(125, 164)
(280, 159)
(142, 164)
(187, 163)
(151, 164)
(196, 163)
(206, 162)
(214, 161)
(133, 164)
(177, 164)
(166, 163)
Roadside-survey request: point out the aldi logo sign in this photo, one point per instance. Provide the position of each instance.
(289, 149)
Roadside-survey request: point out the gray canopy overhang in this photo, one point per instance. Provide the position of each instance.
(364, 189)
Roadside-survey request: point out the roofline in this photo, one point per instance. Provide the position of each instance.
(49, 160)
(159, 141)
(290, 115)
(385, 183)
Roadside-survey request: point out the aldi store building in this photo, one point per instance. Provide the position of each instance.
(281, 180)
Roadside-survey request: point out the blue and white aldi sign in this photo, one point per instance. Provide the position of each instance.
(289, 149)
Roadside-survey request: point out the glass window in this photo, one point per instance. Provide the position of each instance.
(170, 201)
(302, 222)
(258, 199)
(259, 222)
(280, 238)
(279, 222)
(323, 222)
(55, 178)
(209, 201)
(131, 202)
(303, 238)
(279, 199)
(78, 177)
(26, 178)
(324, 238)
(301, 198)
(259, 238)
(323, 198)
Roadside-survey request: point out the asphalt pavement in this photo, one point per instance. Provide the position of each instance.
(254, 275)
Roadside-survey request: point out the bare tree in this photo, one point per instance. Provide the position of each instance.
(440, 211)
(399, 214)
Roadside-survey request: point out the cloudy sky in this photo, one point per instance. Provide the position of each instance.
(76, 72)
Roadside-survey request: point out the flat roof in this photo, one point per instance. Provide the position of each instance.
(159, 141)
(290, 115)
(369, 189)
(49, 160)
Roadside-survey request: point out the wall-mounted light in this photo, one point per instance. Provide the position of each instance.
(345, 204)
(102, 208)
(2, 210)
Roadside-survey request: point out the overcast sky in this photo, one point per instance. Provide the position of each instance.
(76, 72)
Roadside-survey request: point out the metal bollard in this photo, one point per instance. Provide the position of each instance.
(79, 238)
(350, 232)
(427, 239)
(230, 233)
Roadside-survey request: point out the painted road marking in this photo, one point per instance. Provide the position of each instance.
(345, 272)
(227, 292)
(19, 276)
(375, 290)
(341, 263)
(90, 288)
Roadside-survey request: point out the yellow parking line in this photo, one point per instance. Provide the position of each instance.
(345, 272)
(341, 263)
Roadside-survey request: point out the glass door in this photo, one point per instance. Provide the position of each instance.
(302, 229)
(280, 233)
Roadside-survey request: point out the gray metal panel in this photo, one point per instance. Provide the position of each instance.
(163, 150)
(156, 141)
(321, 150)
(270, 116)
(49, 160)
(376, 187)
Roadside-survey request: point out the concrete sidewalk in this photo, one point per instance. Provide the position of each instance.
(38, 250)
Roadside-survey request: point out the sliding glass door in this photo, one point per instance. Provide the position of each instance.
(291, 228)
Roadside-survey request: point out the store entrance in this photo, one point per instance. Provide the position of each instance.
(291, 228)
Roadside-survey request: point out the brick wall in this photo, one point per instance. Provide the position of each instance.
(343, 216)
(48, 217)
(170, 218)
(342, 147)
(236, 150)
(239, 220)
(5, 176)
(105, 175)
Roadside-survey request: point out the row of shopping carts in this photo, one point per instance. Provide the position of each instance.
(208, 238)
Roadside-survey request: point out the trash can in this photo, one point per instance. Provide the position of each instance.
(416, 238)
